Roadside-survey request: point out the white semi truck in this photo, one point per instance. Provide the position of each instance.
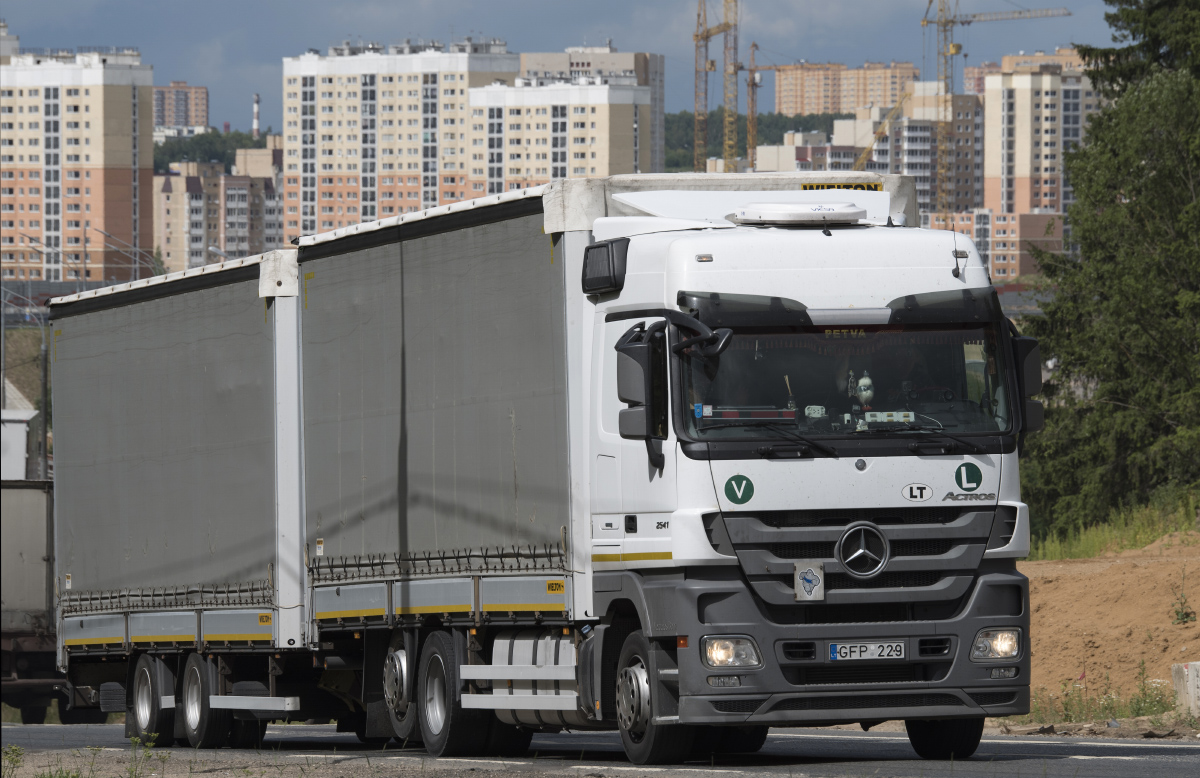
(685, 457)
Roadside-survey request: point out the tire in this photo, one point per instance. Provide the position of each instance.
(33, 714)
(405, 725)
(729, 740)
(151, 721)
(944, 738)
(507, 740)
(246, 734)
(446, 729)
(645, 742)
(205, 727)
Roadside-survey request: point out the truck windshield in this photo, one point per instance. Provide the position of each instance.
(848, 380)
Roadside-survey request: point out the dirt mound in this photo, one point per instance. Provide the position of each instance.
(1104, 616)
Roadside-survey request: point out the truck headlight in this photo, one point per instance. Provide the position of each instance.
(731, 652)
(996, 644)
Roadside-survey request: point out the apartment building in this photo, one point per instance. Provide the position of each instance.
(203, 214)
(974, 77)
(10, 44)
(807, 88)
(605, 61)
(911, 145)
(180, 105)
(76, 164)
(370, 123)
(539, 130)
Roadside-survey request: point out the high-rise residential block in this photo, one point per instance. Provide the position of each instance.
(76, 165)
(362, 114)
(606, 62)
(180, 105)
(808, 88)
(974, 77)
(203, 214)
(539, 130)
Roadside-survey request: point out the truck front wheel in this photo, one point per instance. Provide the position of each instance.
(151, 720)
(944, 739)
(205, 727)
(645, 742)
(446, 728)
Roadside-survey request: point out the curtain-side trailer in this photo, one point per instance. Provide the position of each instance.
(686, 457)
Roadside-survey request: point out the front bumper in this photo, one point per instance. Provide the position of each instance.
(798, 683)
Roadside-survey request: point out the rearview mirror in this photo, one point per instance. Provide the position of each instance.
(1029, 364)
(604, 266)
(642, 382)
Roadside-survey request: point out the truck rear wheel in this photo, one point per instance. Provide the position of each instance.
(398, 692)
(205, 727)
(645, 742)
(446, 728)
(945, 738)
(151, 720)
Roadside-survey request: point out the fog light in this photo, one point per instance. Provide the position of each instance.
(997, 644)
(724, 681)
(730, 652)
(1004, 672)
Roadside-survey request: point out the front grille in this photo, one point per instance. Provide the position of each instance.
(799, 651)
(816, 676)
(737, 706)
(864, 613)
(994, 698)
(898, 580)
(930, 547)
(844, 516)
(867, 701)
(933, 646)
(803, 550)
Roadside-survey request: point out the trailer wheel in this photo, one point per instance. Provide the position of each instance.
(446, 729)
(398, 692)
(150, 720)
(645, 742)
(33, 714)
(205, 727)
(946, 738)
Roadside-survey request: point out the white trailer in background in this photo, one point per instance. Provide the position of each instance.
(682, 456)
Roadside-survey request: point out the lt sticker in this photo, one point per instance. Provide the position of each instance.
(968, 477)
(916, 492)
(739, 489)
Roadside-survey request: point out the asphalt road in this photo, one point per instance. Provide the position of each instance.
(789, 752)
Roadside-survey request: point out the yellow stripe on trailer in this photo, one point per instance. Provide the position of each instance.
(408, 610)
(91, 641)
(523, 606)
(641, 556)
(236, 637)
(163, 639)
(351, 614)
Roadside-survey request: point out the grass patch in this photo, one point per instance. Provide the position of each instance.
(1079, 702)
(1126, 528)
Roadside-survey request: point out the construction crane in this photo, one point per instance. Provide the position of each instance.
(753, 82)
(884, 128)
(703, 34)
(946, 21)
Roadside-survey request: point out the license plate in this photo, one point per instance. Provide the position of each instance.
(867, 649)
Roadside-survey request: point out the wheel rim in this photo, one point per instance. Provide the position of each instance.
(143, 701)
(192, 699)
(395, 685)
(435, 694)
(633, 698)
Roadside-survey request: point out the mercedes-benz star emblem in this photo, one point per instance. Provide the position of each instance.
(863, 551)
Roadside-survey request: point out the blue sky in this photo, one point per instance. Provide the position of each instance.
(236, 48)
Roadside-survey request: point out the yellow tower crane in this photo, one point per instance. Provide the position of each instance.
(703, 34)
(881, 132)
(946, 20)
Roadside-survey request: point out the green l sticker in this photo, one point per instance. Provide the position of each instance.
(968, 477)
(739, 489)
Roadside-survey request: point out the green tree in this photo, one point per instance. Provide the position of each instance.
(209, 147)
(1124, 323)
(1161, 34)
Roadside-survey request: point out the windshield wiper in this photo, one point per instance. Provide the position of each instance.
(910, 427)
(778, 426)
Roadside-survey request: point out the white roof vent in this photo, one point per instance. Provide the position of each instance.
(798, 213)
